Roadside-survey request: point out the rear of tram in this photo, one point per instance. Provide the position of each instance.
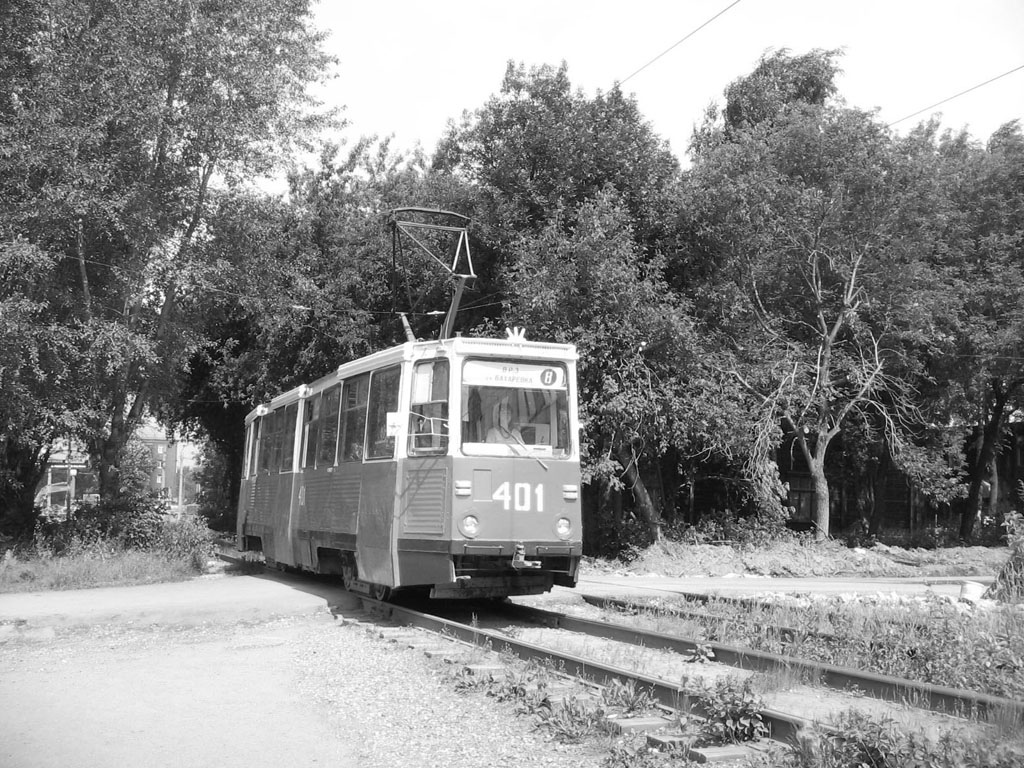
(501, 417)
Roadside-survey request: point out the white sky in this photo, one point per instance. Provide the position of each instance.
(407, 67)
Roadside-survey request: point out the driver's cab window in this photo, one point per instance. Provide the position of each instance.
(428, 409)
(515, 409)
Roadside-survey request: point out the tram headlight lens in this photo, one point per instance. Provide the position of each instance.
(563, 527)
(470, 526)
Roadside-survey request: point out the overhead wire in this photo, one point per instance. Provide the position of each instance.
(679, 42)
(955, 96)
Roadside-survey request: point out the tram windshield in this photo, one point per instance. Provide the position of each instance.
(515, 409)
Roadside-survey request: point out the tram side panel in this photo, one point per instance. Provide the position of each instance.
(328, 517)
(424, 515)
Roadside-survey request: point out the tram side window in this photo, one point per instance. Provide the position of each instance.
(428, 411)
(312, 431)
(383, 399)
(287, 437)
(353, 417)
(251, 441)
(268, 443)
(329, 409)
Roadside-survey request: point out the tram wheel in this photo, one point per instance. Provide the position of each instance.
(380, 592)
(348, 576)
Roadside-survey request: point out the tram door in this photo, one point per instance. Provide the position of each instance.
(284, 497)
(377, 497)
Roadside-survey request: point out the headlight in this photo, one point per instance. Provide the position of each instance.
(469, 526)
(563, 527)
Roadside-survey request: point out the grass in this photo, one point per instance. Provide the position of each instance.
(91, 568)
(931, 640)
(176, 550)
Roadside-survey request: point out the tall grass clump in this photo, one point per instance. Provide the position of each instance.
(133, 540)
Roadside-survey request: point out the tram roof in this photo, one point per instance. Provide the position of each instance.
(415, 350)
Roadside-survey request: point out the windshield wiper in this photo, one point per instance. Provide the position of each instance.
(529, 453)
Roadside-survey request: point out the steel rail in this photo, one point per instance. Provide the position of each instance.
(781, 726)
(936, 698)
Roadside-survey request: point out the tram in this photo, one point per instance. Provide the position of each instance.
(449, 467)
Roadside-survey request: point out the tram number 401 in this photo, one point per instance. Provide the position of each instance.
(520, 497)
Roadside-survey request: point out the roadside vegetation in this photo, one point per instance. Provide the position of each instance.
(136, 541)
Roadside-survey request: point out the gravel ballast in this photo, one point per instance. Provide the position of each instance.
(404, 711)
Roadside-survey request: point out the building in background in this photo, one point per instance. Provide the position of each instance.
(69, 479)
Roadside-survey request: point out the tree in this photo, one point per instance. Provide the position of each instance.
(126, 116)
(576, 200)
(299, 286)
(778, 81)
(981, 367)
(538, 150)
(38, 365)
(803, 215)
(590, 288)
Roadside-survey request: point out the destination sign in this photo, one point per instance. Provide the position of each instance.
(493, 373)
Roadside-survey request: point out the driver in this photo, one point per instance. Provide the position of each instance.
(503, 431)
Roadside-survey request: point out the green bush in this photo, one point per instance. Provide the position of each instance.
(132, 521)
(718, 526)
(189, 539)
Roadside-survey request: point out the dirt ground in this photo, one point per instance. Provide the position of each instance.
(798, 559)
(234, 672)
(178, 696)
(191, 674)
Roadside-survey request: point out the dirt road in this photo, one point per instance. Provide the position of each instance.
(193, 674)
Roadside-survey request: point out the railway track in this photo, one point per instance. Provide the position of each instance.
(584, 676)
(659, 663)
(925, 695)
(561, 642)
(935, 698)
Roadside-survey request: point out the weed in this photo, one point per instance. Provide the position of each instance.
(516, 685)
(632, 753)
(573, 721)
(733, 712)
(464, 681)
(627, 696)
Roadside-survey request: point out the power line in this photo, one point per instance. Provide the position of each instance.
(956, 96)
(680, 42)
